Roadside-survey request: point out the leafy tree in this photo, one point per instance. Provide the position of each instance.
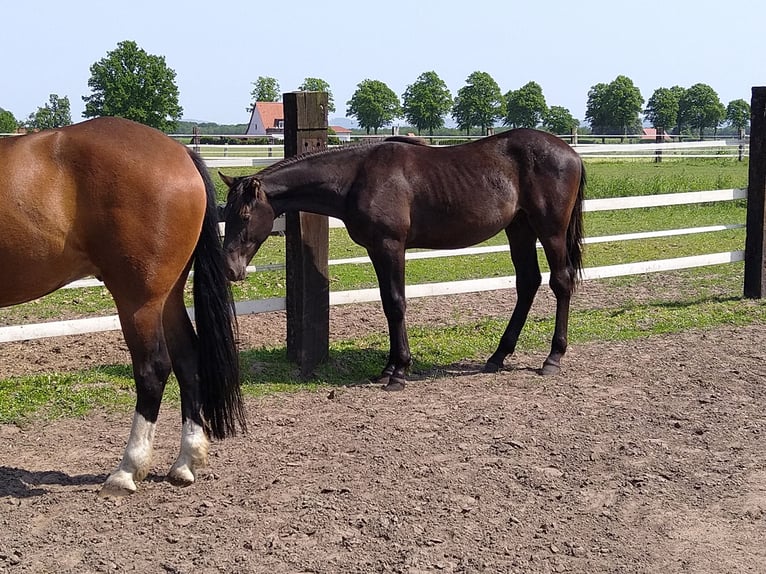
(614, 107)
(319, 85)
(738, 115)
(373, 104)
(426, 102)
(596, 110)
(479, 103)
(700, 108)
(559, 120)
(132, 84)
(266, 90)
(55, 114)
(525, 107)
(662, 108)
(8, 123)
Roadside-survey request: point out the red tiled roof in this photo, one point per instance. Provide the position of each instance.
(651, 134)
(271, 113)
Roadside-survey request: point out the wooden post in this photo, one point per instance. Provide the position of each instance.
(659, 137)
(306, 241)
(755, 241)
(195, 138)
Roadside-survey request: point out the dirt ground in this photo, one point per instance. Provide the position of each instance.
(642, 456)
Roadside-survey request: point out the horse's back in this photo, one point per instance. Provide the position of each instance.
(456, 196)
(85, 200)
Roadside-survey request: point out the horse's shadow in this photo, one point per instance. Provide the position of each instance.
(20, 483)
(354, 367)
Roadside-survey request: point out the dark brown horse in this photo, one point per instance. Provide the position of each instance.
(398, 194)
(125, 203)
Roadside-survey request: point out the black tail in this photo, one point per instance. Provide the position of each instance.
(575, 230)
(222, 406)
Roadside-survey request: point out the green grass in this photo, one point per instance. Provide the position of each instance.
(701, 299)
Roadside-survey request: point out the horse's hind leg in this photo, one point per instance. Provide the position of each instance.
(182, 345)
(562, 284)
(142, 328)
(521, 239)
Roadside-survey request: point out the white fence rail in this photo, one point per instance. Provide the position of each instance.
(95, 324)
(264, 155)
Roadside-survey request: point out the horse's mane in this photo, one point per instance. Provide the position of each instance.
(331, 151)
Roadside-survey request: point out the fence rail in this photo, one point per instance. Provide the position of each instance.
(95, 324)
(264, 155)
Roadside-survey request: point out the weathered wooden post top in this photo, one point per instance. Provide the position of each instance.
(306, 241)
(755, 241)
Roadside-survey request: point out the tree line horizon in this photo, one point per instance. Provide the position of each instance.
(133, 84)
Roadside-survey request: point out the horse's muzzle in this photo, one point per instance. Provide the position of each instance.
(236, 269)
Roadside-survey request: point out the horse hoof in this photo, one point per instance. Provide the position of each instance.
(181, 476)
(550, 369)
(118, 485)
(491, 367)
(394, 385)
(380, 379)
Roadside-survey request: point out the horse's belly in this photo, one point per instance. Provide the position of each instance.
(26, 280)
(451, 236)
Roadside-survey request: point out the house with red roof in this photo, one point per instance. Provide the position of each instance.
(343, 134)
(268, 120)
(651, 135)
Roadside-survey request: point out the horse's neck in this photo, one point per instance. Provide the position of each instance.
(315, 184)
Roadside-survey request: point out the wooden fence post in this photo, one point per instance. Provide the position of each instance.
(755, 241)
(306, 241)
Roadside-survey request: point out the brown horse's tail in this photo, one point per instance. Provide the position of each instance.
(575, 230)
(222, 406)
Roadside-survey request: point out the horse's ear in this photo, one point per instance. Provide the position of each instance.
(229, 181)
(257, 187)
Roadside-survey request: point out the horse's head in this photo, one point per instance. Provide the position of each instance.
(249, 220)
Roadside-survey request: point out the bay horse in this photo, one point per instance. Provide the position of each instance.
(123, 202)
(399, 193)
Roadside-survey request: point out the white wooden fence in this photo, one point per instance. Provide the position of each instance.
(263, 155)
(95, 324)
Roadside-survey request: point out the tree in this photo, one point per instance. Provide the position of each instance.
(525, 107)
(426, 102)
(596, 110)
(55, 114)
(266, 90)
(8, 124)
(479, 103)
(373, 104)
(738, 115)
(615, 107)
(559, 120)
(662, 108)
(132, 84)
(319, 85)
(700, 108)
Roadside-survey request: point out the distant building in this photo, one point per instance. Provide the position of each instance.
(344, 134)
(650, 134)
(268, 120)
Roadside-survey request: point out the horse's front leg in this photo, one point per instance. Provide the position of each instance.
(388, 260)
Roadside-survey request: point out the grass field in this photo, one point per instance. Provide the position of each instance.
(699, 305)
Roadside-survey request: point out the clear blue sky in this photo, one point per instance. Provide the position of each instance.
(219, 48)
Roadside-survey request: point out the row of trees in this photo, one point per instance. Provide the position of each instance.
(427, 102)
(131, 83)
(613, 108)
